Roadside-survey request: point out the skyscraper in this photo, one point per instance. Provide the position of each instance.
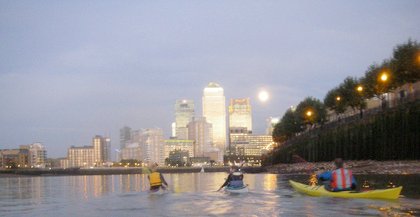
(214, 110)
(240, 114)
(184, 112)
(125, 136)
(199, 130)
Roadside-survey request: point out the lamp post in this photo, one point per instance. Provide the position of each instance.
(337, 105)
(309, 115)
(359, 89)
(383, 78)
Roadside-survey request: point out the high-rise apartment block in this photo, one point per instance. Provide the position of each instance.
(151, 143)
(214, 110)
(83, 156)
(89, 156)
(184, 112)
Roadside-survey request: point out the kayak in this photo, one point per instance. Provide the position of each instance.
(239, 190)
(159, 191)
(319, 191)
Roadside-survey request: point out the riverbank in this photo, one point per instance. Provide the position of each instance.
(358, 167)
(115, 171)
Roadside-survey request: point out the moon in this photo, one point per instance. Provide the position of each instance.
(263, 96)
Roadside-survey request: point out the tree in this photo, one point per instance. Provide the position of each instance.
(378, 81)
(310, 111)
(331, 102)
(352, 97)
(405, 63)
(287, 127)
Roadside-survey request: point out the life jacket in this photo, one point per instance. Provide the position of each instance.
(236, 180)
(154, 179)
(341, 179)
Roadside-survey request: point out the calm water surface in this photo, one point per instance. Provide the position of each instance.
(192, 194)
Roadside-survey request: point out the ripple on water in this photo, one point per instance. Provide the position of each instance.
(270, 195)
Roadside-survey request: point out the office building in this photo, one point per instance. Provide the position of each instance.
(131, 152)
(184, 112)
(178, 144)
(125, 136)
(214, 110)
(200, 132)
(240, 114)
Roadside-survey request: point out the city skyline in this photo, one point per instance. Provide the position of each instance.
(71, 70)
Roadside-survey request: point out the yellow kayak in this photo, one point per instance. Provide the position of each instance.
(319, 191)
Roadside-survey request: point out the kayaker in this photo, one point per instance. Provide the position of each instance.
(235, 178)
(156, 179)
(339, 179)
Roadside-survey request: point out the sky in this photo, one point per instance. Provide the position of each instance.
(70, 70)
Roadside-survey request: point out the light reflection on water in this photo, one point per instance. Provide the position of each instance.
(192, 194)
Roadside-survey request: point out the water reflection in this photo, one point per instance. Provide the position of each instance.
(193, 194)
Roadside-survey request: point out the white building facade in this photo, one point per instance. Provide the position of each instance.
(214, 110)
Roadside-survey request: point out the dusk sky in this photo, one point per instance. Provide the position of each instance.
(70, 70)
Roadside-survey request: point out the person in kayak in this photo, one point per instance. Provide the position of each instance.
(339, 179)
(235, 178)
(156, 179)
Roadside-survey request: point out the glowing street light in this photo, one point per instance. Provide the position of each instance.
(418, 57)
(338, 98)
(384, 77)
(359, 88)
(309, 113)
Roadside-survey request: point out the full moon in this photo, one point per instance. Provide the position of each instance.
(263, 96)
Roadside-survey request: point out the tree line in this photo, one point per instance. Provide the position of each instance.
(402, 68)
(389, 135)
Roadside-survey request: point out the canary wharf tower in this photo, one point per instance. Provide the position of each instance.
(214, 110)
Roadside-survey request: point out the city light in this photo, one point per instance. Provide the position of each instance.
(338, 98)
(309, 113)
(359, 88)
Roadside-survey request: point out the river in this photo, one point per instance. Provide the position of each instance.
(191, 194)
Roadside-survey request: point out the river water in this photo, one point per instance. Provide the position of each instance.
(191, 194)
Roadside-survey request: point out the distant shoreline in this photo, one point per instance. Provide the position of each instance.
(357, 167)
(114, 171)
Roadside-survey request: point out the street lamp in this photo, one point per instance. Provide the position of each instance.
(384, 77)
(338, 98)
(418, 57)
(359, 89)
(309, 116)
